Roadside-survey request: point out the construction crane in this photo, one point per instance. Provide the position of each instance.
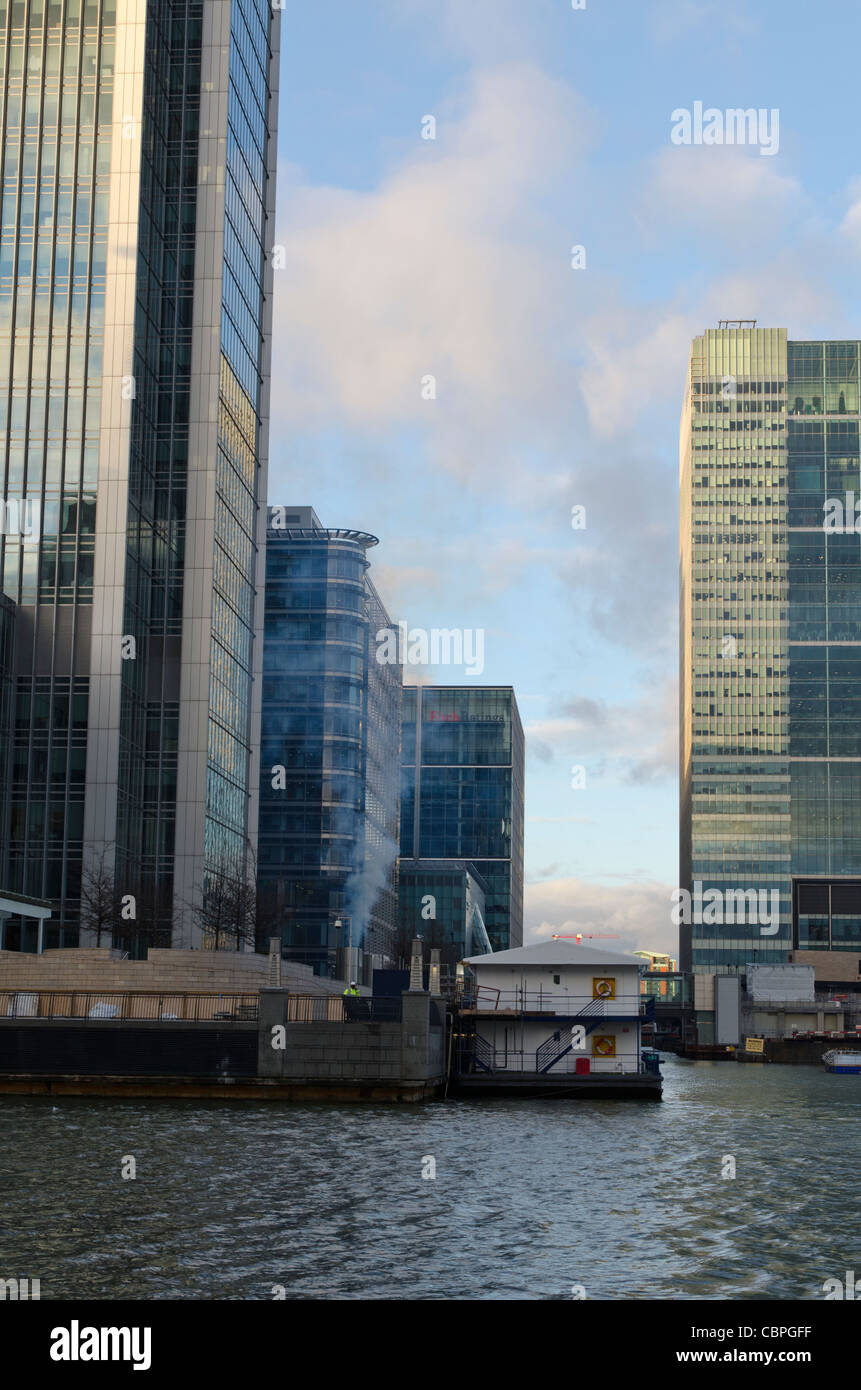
(588, 935)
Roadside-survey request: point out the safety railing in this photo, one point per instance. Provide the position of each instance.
(478, 1056)
(166, 1006)
(626, 1065)
(561, 1002)
(342, 1008)
(549, 1053)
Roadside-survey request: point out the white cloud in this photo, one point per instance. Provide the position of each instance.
(438, 272)
(725, 193)
(634, 918)
(850, 227)
(638, 738)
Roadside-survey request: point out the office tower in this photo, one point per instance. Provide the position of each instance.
(7, 652)
(445, 903)
(462, 755)
(770, 648)
(329, 760)
(135, 302)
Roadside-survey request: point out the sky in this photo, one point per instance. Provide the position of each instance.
(452, 376)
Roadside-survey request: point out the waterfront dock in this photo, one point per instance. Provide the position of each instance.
(277, 1043)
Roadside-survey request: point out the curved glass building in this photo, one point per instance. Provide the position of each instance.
(329, 798)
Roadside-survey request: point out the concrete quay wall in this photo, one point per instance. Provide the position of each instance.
(410, 1050)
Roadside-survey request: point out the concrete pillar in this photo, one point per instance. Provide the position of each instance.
(275, 962)
(416, 973)
(272, 1011)
(434, 973)
(415, 1027)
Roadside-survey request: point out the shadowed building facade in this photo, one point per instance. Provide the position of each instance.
(462, 797)
(444, 903)
(770, 648)
(135, 302)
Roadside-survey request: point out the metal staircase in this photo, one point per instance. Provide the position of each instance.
(482, 1054)
(548, 1053)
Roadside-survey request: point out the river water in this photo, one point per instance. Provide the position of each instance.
(530, 1199)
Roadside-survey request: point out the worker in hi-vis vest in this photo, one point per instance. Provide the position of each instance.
(351, 988)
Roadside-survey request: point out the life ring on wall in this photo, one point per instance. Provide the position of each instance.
(604, 1047)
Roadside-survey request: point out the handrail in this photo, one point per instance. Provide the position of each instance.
(551, 1051)
(488, 999)
(161, 1006)
(340, 1008)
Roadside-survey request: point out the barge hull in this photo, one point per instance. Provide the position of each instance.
(525, 1084)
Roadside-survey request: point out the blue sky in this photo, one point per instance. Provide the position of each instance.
(555, 387)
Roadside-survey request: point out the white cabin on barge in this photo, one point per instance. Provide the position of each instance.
(555, 1012)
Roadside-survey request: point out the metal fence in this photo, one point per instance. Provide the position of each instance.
(342, 1008)
(485, 999)
(164, 1007)
(477, 1055)
(181, 1007)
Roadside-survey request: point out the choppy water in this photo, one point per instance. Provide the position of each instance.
(530, 1197)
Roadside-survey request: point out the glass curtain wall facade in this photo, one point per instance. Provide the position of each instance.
(7, 653)
(329, 810)
(770, 641)
(456, 891)
(823, 425)
(57, 72)
(157, 476)
(138, 147)
(462, 791)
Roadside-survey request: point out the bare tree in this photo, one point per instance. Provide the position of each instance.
(100, 901)
(234, 911)
(131, 908)
(224, 913)
(145, 915)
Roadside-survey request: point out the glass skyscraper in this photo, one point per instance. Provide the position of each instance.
(770, 643)
(135, 300)
(462, 792)
(328, 829)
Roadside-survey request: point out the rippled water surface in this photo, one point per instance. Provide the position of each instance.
(530, 1197)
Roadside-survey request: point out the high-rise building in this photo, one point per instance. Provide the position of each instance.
(770, 651)
(329, 788)
(462, 792)
(138, 146)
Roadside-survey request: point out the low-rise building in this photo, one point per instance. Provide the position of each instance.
(554, 1011)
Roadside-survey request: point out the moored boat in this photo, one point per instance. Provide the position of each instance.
(842, 1060)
